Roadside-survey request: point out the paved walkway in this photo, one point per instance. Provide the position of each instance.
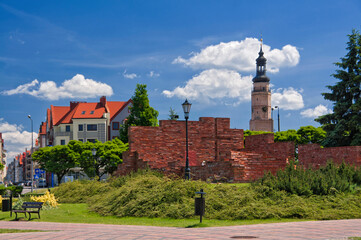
(340, 229)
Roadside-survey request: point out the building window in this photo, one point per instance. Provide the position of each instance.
(92, 112)
(67, 128)
(115, 125)
(80, 139)
(91, 140)
(80, 127)
(83, 112)
(62, 142)
(91, 127)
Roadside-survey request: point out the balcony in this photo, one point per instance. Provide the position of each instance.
(62, 134)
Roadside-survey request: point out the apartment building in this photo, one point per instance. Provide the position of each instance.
(83, 121)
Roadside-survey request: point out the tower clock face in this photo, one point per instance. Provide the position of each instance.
(264, 109)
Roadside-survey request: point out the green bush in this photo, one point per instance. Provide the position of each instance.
(326, 180)
(150, 194)
(79, 191)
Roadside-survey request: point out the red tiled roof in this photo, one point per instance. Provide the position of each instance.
(58, 113)
(42, 130)
(116, 107)
(83, 110)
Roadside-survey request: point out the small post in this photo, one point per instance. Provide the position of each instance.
(200, 205)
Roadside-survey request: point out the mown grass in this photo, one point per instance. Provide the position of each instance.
(79, 213)
(6, 230)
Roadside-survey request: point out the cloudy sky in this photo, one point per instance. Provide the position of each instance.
(54, 52)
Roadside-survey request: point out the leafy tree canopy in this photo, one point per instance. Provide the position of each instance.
(343, 126)
(58, 159)
(108, 156)
(141, 113)
(304, 135)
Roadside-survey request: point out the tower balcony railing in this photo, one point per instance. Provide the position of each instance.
(262, 89)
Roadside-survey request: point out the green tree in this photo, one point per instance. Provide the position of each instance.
(311, 134)
(172, 114)
(141, 113)
(343, 126)
(285, 136)
(108, 156)
(58, 159)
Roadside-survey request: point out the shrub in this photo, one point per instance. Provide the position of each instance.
(48, 199)
(327, 179)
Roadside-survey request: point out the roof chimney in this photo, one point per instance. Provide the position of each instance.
(73, 105)
(103, 101)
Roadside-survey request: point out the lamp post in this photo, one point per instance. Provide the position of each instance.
(278, 118)
(94, 152)
(186, 109)
(31, 154)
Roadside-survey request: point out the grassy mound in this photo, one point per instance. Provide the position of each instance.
(149, 194)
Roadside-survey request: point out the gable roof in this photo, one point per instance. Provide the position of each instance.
(84, 110)
(58, 113)
(116, 107)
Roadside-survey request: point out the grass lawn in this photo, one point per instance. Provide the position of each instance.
(78, 213)
(5, 230)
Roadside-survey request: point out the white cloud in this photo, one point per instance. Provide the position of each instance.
(315, 112)
(129, 75)
(15, 139)
(288, 99)
(241, 55)
(153, 74)
(77, 87)
(221, 85)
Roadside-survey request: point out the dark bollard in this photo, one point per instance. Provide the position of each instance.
(200, 204)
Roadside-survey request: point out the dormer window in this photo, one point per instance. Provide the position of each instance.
(92, 112)
(83, 112)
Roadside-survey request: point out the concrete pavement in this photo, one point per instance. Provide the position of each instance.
(336, 229)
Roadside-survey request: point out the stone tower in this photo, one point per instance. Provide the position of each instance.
(261, 98)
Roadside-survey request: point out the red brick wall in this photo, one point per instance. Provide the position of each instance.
(221, 150)
(212, 142)
(164, 147)
(313, 155)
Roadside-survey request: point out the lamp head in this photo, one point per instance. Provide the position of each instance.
(29, 116)
(186, 108)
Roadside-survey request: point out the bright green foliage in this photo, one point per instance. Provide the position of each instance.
(326, 180)
(247, 133)
(79, 191)
(108, 156)
(2, 166)
(149, 194)
(304, 135)
(289, 135)
(343, 125)
(311, 134)
(58, 159)
(141, 113)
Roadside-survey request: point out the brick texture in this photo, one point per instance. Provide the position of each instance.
(312, 155)
(220, 153)
(215, 150)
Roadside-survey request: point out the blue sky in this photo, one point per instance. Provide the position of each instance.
(202, 50)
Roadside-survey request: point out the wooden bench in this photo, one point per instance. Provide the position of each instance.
(29, 207)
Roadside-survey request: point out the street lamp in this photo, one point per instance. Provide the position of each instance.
(31, 153)
(278, 118)
(94, 152)
(186, 109)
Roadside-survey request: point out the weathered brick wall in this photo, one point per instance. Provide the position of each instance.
(313, 155)
(164, 147)
(211, 142)
(218, 152)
